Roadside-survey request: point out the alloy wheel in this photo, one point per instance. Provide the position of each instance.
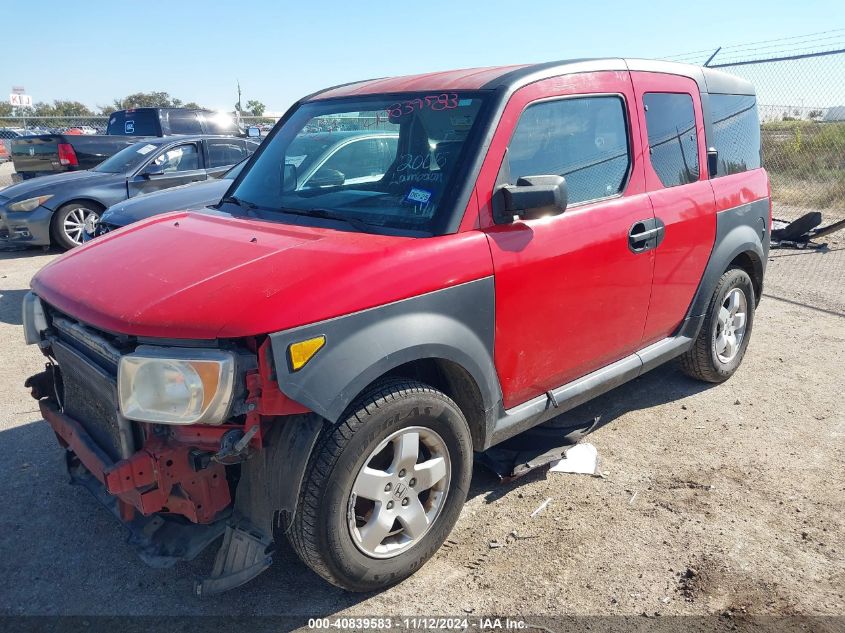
(399, 492)
(75, 221)
(730, 325)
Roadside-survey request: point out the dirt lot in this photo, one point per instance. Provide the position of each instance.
(715, 498)
(6, 171)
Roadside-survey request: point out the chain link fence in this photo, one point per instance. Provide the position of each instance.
(801, 102)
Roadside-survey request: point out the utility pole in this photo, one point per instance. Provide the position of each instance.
(239, 100)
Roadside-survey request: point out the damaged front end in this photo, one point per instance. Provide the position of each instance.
(213, 448)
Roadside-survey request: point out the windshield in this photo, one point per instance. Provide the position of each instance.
(380, 161)
(126, 159)
(235, 171)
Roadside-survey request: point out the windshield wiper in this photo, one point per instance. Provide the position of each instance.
(328, 214)
(244, 204)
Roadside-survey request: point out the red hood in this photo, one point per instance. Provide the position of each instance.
(197, 276)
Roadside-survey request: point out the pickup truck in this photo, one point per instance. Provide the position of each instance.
(44, 154)
(322, 363)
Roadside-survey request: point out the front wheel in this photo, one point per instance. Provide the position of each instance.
(384, 487)
(69, 223)
(723, 339)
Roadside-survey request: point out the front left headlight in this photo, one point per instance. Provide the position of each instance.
(33, 317)
(176, 386)
(30, 204)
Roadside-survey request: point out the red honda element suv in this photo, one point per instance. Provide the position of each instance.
(319, 360)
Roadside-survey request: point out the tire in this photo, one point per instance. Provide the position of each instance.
(71, 214)
(329, 530)
(712, 358)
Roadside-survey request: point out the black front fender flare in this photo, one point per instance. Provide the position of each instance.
(455, 324)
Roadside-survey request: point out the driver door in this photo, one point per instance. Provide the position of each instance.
(572, 290)
(176, 165)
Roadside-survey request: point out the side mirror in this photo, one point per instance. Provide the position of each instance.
(153, 170)
(253, 132)
(532, 197)
(327, 178)
(712, 161)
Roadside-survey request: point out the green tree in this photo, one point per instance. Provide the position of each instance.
(64, 108)
(255, 107)
(146, 100)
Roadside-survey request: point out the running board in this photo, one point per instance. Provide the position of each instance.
(556, 401)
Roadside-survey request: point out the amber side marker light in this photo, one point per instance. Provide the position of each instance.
(303, 351)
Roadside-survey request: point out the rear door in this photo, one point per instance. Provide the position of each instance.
(669, 107)
(170, 167)
(571, 293)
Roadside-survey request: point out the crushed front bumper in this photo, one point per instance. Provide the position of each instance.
(136, 491)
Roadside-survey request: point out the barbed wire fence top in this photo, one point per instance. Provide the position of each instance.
(800, 84)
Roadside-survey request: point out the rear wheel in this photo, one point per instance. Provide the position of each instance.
(384, 487)
(69, 223)
(723, 339)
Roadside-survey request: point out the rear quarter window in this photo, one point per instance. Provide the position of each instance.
(736, 133)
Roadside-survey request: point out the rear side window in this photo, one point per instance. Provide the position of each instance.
(583, 139)
(134, 123)
(222, 153)
(736, 133)
(672, 137)
(220, 123)
(183, 122)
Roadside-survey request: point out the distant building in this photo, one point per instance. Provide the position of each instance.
(836, 113)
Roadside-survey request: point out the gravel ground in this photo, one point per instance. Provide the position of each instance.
(6, 171)
(714, 499)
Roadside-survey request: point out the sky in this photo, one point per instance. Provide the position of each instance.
(94, 51)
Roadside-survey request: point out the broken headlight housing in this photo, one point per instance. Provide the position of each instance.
(33, 317)
(176, 386)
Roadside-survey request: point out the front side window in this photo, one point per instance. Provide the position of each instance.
(385, 161)
(672, 137)
(736, 132)
(126, 159)
(365, 159)
(179, 158)
(583, 139)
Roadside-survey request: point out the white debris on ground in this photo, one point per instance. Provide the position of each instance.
(580, 459)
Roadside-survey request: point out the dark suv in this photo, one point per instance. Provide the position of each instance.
(323, 361)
